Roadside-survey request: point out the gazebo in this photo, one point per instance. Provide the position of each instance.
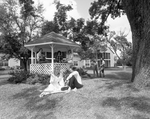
(51, 44)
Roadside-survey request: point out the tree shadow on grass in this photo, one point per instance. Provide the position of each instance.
(114, 84)
(125, 76)
(118, 79)
(3, 81)
(139, 117)
(44, 106)
(141, 104)
(99, 116)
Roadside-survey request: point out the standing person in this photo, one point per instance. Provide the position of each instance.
(95, 68)
(74, 80)
(102, 67)
(70, 57)
(39, 55)
(59, 56)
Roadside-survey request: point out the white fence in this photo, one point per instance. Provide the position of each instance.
(46, 68)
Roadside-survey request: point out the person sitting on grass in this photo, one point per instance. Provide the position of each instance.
(74, 81)
(56, 83)
(83, 72)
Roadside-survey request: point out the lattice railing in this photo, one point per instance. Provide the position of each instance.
(46, 68)
(60, 66)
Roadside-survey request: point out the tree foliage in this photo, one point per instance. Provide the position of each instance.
(19, 24)
(60, 17)
(87, 33)
(101, 9)
(120, 46)
(49, 26)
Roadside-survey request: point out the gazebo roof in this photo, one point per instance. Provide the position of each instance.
(52, 38)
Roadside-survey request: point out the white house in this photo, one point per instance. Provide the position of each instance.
(108, 56)
(13, 62)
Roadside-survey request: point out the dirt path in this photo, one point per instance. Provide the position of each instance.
(100, 98)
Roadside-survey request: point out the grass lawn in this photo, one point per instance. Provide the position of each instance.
(111, 97)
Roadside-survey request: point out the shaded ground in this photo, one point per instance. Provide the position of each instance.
(111, 97)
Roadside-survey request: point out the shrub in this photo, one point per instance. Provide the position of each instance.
(38, 78)
(44, 79)
(21, 76)
(32, 79)
(83, 73)
(18, 76)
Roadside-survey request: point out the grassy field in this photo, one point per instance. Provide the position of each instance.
(111, 97)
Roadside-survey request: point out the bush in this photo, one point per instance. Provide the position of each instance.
(18, 76)
(83, 73)
(21, 76)
(44, 79)
(32, 79)
(38, 78)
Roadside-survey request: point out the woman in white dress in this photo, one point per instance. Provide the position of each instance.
(56, 83)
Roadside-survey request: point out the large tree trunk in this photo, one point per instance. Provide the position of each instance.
(138, 13)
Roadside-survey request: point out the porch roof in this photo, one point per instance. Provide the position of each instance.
(52, 38)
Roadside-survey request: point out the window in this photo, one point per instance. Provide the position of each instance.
(107, 63)
(107, 55)
(75, 63)
(3, 63)
(104, 55)
(87, 63)
(48, 54)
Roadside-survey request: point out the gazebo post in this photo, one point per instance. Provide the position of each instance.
(32, 55)
(52, 53)
(35, 56)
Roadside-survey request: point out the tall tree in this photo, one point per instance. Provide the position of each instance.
(137, 13)
(19, 24)
(49, 26)
(76, 30)
(60, 23)
(96, 34)
(60, 17)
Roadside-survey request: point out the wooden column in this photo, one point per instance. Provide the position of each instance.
(52, 53)
(32, 55)
(72, 55)
(35, 57)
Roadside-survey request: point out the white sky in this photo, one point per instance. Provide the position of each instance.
(50, 8)
(119, 24)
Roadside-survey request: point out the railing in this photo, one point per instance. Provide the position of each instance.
(46, 68)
